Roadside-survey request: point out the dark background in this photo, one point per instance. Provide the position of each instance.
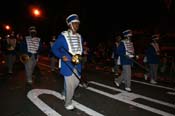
(100, 20)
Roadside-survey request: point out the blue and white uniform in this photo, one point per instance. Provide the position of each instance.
(68, 44)
(126, 52)
(31, 46)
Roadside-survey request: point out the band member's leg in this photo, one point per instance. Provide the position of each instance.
(71, 83)
(28, 70)
(127, 76)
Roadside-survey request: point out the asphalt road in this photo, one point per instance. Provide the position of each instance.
(101, 98)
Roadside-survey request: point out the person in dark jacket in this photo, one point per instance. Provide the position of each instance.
(115, 55)
(52, 57)
(11, 52)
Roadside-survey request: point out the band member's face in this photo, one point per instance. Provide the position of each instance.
(75, 26)
(156, 40)
(33, 34)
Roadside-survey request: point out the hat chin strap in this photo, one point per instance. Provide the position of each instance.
(128, 38)
(72, 28)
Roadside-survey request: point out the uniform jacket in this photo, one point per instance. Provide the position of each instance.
(60, 48)
(152, 57)
(24, 49)
(124, 60)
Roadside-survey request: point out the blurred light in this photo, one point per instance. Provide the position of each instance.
(137, 57)
(36, 12)
(8, 36)
(7, 27)
(3, 61)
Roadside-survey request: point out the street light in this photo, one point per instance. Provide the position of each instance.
(7, 27)
(36, 12)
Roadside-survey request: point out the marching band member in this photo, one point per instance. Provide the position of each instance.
(30, 48)
(126, 53)
(152, 55)
(67, 45)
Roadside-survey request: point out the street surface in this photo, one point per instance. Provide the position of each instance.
(101, 98)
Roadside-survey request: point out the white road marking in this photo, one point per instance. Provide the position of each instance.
(171, 93)
(33, 96)
(154, 85)
(132, 96)
(128, 97)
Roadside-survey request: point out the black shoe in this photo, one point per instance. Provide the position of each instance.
(28, 86)
(9, 75)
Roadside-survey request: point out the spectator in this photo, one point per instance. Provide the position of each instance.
(11, 52)
(53, 58)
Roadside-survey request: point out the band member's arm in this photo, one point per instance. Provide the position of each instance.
(121, 49)
(57, 47)
(150, 51)
(39, 50)
(23, 47)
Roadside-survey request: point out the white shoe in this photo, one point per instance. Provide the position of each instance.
(80, 85)
(112, 69)
(116, 74)
(116, 83)
(29, 81)
(128, 89)
(145, 77)
(62, 97)
(10, 72)
(153, 82)
(69, 107)
(85, 85)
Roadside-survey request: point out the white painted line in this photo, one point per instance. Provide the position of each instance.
(128, 97)
(33, 96)
(171, 93)
(86, 109)
(132, 96)
(154, 85)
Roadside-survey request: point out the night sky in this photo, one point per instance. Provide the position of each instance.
(99, 19)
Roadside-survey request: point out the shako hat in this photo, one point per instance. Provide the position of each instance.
(72, 18)
(127, 33)
(32, 29)
(155, 37)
